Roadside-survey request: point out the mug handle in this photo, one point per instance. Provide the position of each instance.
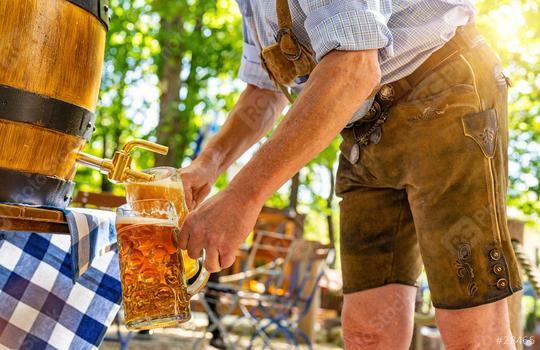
(201, 280)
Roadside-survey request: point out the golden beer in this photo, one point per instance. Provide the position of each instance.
(154, 289)
(167, 185)
(151, 268)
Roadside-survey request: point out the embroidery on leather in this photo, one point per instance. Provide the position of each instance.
(464, 268)
(488, 138)
(482, 128)
(429, 113)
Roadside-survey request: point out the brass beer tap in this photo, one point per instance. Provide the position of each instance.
(118, 169)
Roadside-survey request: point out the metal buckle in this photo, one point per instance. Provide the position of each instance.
(386, 93)
(372, 114)
(301, 79)
(288, 31)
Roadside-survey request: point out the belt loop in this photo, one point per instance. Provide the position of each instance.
(404, 87)
(458, 42)
(466, 36)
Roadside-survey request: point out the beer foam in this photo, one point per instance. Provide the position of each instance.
(139, 220)
(167, 183)
(162, 183)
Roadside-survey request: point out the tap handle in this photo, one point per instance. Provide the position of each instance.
(147, 145)
(122, 161)
(119, 168)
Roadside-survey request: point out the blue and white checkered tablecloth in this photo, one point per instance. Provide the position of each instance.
(92, 234)
(41, 307)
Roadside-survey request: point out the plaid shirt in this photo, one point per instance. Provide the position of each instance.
(41, 307)
(405, 32)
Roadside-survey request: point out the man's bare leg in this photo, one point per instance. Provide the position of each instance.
(481, 327)
(379, 318)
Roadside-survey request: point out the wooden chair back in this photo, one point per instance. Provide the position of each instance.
(300, 261)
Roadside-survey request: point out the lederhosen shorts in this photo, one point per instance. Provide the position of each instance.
(433, 189)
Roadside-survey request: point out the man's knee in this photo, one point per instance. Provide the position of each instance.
(368, 317)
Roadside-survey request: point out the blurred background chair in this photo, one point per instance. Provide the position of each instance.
(275, 290)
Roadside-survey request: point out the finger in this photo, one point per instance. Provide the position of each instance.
(201, 194)
(196, 199)
(185, 232)
(194, 252)
(226, 260)
(189, 200)
(195, 244)
(212, 261)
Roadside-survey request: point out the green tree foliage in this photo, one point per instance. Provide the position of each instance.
(169, 68)
(200, 41)
(513, 30)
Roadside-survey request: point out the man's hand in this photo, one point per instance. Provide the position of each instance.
(198, 179)
(223, 222)
(220, 225)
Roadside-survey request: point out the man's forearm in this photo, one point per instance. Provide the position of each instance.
(337, 87)
(252, 117)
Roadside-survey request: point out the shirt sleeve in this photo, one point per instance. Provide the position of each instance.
(251, 70)
(348, 25)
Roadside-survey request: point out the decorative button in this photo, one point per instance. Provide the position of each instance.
(373, 112)
(495, 254)
(498, 269)
(375, 138)
(502, 283)
(355, 154)
(386, 93)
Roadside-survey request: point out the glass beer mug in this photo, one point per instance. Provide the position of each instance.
(154, 289)
(167, 185)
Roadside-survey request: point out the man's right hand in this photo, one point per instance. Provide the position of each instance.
(198, 179)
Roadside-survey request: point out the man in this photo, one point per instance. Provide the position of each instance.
(422, 173)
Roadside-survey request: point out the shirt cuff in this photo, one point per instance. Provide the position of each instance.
(349, 26)
(251, 70)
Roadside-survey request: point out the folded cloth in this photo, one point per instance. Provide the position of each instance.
(40, 305)
(92, 234)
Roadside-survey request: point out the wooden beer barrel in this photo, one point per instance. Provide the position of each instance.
(51, 58)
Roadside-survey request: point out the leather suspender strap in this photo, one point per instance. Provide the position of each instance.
(288, 60)
(283, 14)
(284, 26)
(279, 7)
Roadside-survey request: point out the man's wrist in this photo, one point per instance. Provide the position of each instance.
(212, 161)
(245, 194)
